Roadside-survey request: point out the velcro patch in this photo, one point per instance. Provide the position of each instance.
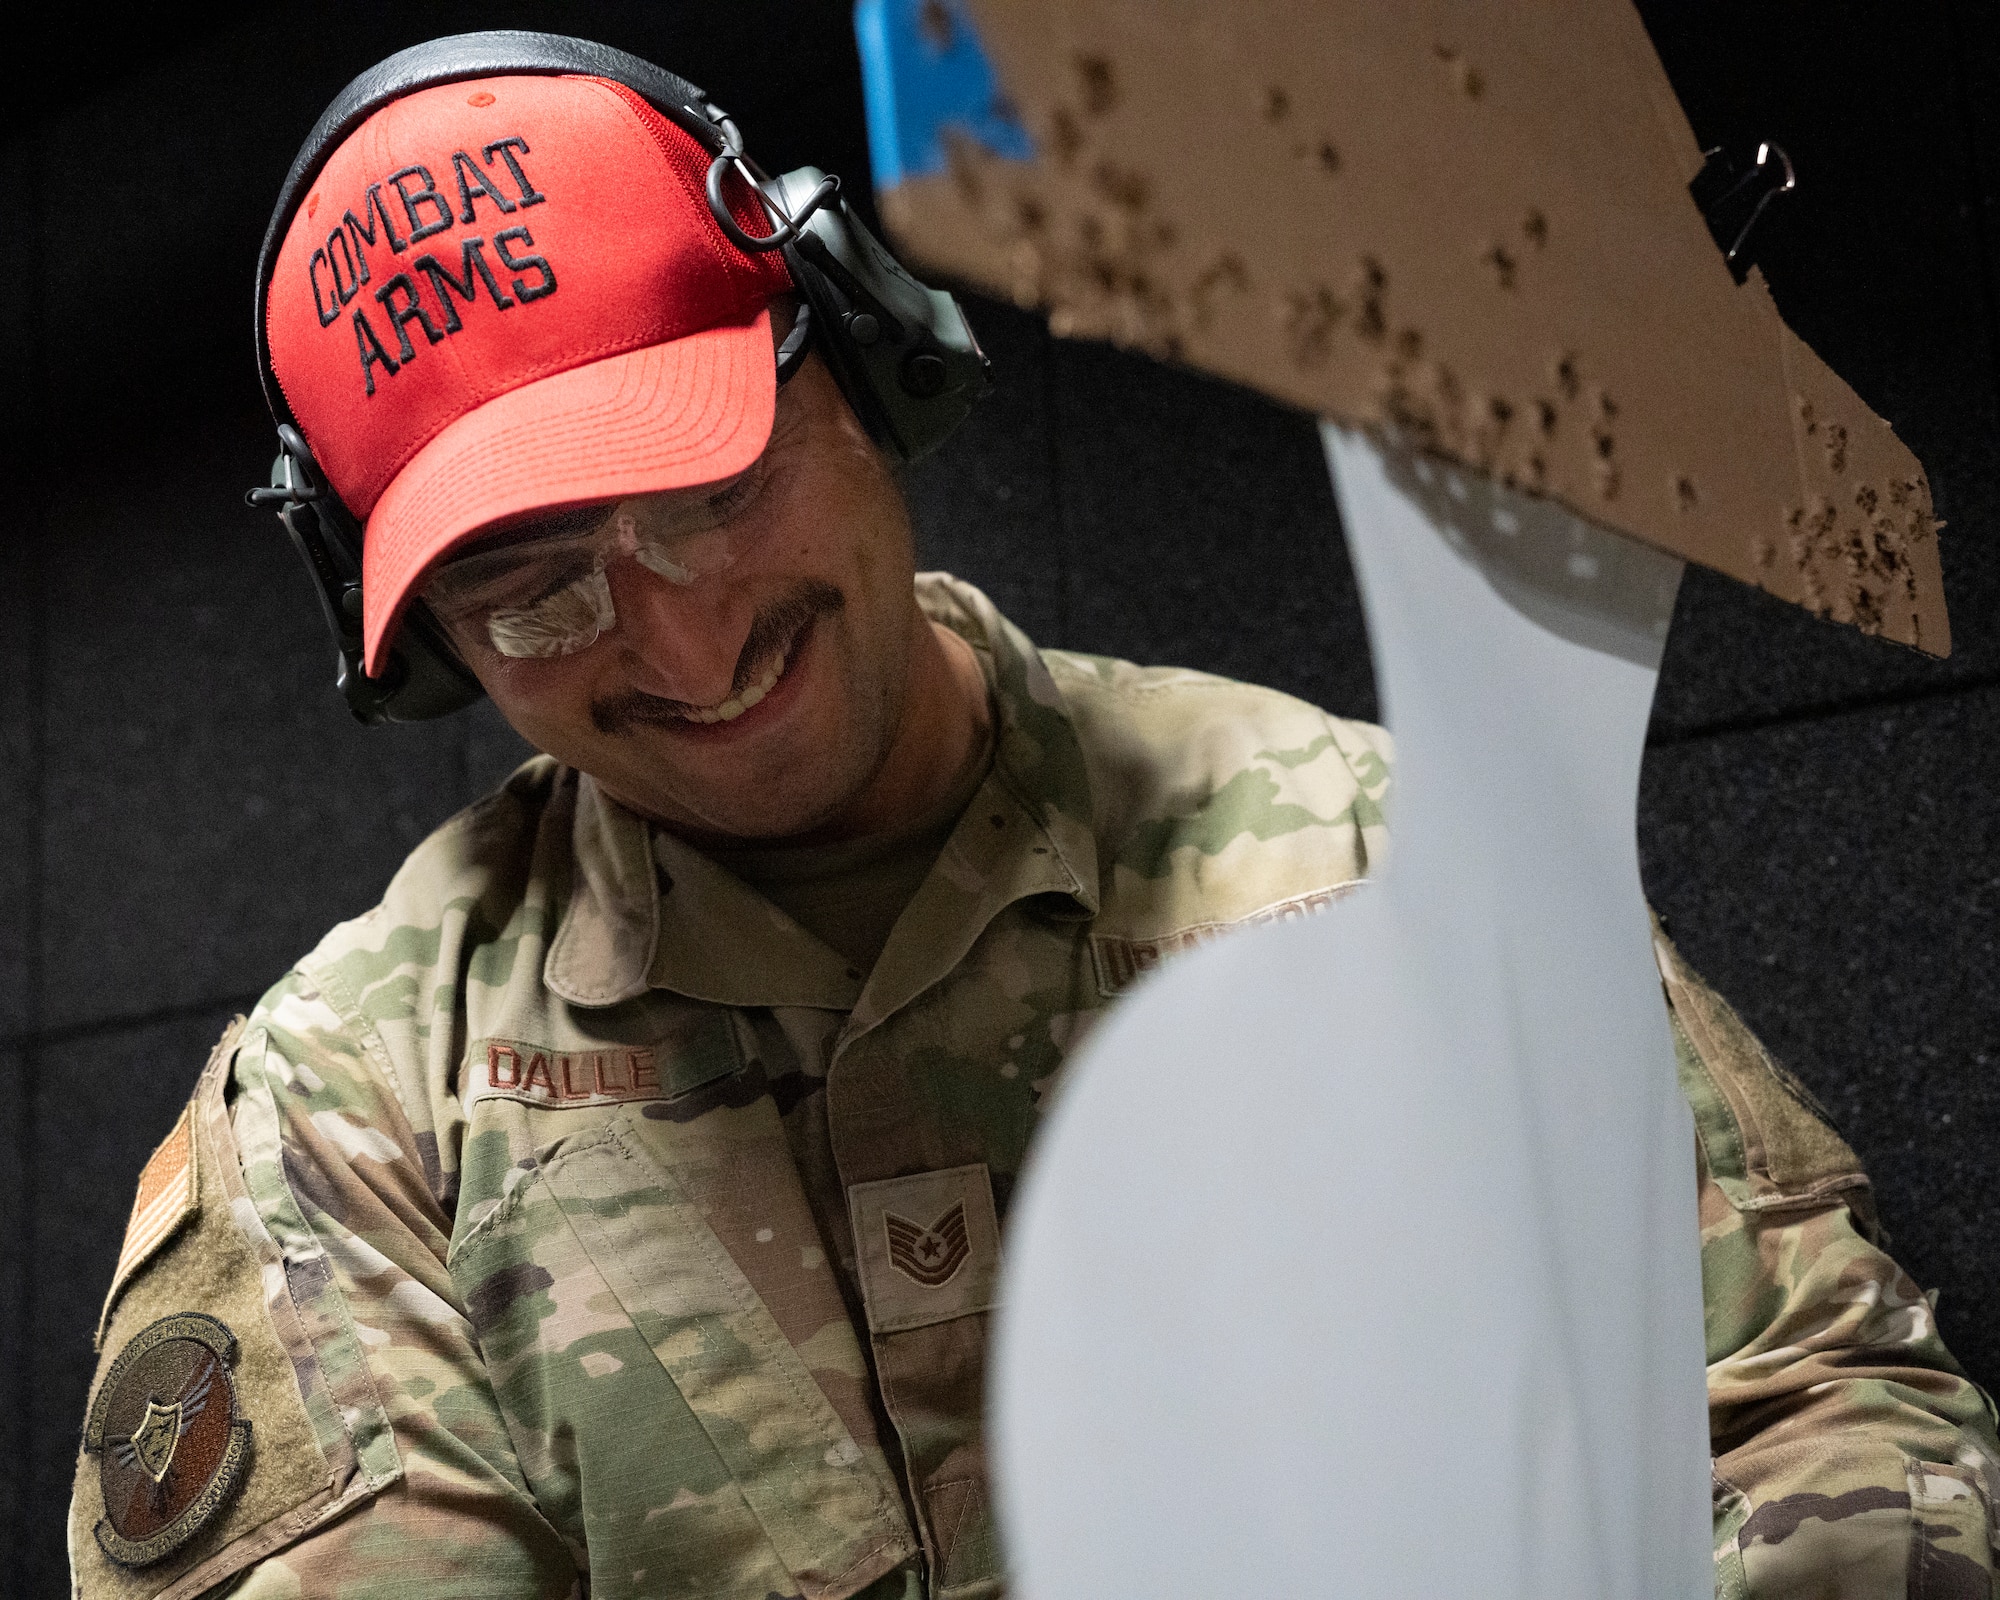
(168, 1196)
(701, 1050)
(927, 1247)
(510, 1070)
(1119, 960)
(171, 1447)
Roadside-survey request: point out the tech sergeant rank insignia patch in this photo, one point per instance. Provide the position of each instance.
(170, 1447)
(930, 1255)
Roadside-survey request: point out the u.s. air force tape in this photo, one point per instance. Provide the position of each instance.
(171, 1449)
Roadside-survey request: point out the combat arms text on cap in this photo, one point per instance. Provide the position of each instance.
(510, 293)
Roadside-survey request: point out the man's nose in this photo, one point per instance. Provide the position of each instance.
(680, 642)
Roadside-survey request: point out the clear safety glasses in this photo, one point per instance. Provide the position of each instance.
(541, 589)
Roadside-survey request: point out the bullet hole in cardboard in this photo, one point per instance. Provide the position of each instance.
(1685, 497)
(1065, 135)
(1836, 448)
(1888, 547)
(1309, 320)
(1545, 418)
(1100, 89)
(1491, 432)
(1536, 227)
(1124, 187)
(935, 24)
(1603, 439)
(1465, 77)
(1122, 296)
(1609, 479)
(1865, 499)
(1566, 377)
(1408, 418)
(1370, 322)
(1090, 245)
(1501, 263)
(1277, 104)
(1423, 404)
(1329, 157)
(1854, 574)
(1811, 524)
(1226, 271)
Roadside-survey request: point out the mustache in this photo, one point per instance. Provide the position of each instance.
(773, 630)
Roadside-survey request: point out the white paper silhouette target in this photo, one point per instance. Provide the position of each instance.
(1360, 1255)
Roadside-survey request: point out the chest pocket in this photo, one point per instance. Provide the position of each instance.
(662, 1418)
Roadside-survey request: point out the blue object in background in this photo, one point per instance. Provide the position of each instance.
(923, 70)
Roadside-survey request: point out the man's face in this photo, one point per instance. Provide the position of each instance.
(813, 586)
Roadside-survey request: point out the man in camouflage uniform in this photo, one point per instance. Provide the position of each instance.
(615, 1209)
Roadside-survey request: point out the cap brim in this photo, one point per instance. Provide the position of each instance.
(665, 417)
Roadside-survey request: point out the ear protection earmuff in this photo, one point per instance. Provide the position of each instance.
(903, 354)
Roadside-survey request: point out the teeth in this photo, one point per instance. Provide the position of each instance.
(737, 704)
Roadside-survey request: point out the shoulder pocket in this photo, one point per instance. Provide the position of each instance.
(1769, 1144)
(220, 1427)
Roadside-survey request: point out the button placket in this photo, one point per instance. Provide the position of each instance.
(929, 1359)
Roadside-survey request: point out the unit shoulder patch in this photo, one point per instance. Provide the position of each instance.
(171, 1449)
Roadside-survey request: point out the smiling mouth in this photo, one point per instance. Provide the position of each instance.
(773, 643)
(744, 699)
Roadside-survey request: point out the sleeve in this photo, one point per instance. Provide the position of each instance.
(338, 1180)
(305, 1287)
(1853, 1458)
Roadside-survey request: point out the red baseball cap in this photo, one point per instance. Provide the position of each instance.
(510, 293)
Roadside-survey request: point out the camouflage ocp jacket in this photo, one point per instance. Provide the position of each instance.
(575, 1223)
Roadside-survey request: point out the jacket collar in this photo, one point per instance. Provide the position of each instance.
(647, 910)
